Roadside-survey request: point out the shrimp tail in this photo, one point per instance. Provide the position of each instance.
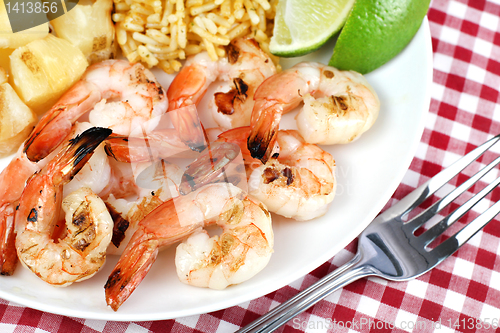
(8, 253)
(129, 149)
(133, 266)
(185, 91)
(77, 153)
(119, 146)
(188, 87)
(37, 146)
(57, 123)
(206, 168)
(159, 144)
(12, 180)
(83, 145)
(262, 138)
(238, 136)
(158, 229)
(189, 127)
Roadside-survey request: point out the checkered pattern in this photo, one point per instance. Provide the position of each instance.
(460, 295)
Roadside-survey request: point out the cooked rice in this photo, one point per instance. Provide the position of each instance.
(164, 32)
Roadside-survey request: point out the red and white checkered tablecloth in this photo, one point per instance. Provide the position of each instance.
(460, 295)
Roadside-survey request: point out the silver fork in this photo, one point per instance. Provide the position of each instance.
(388, 247)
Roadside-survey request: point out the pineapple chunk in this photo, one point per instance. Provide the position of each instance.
(4, 58)
(44, 69)
(89, 27)
(8, 39)
(3, 75)
(16, 120)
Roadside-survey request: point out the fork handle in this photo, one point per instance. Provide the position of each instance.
(342, 276)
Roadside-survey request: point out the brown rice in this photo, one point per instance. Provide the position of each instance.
(164, 32)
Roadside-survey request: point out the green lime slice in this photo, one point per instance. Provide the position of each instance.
(302, 26)
(375, 32)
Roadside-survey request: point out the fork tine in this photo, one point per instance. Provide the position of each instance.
(431, 234)
(424, 191)
(435, 208)
(449, 246)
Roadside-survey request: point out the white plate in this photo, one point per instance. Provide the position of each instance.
(369, 170)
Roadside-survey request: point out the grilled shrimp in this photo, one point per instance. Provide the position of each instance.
(12, 181)
(81, 247)
(339, 106)
(133, 94)
(243, 70)
(297, 183)
(241, 251)
(175, 220)
(120, 96)
(300, 183)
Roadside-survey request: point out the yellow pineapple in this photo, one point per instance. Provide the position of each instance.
(44, 69)
(89, 27)
(3, 75)
(4, 58)
(16, 119)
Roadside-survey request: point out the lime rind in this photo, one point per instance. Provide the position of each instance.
(303, 26)
(375, 32)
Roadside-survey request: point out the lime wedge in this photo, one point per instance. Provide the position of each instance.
(375, 32)
(302, 26)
